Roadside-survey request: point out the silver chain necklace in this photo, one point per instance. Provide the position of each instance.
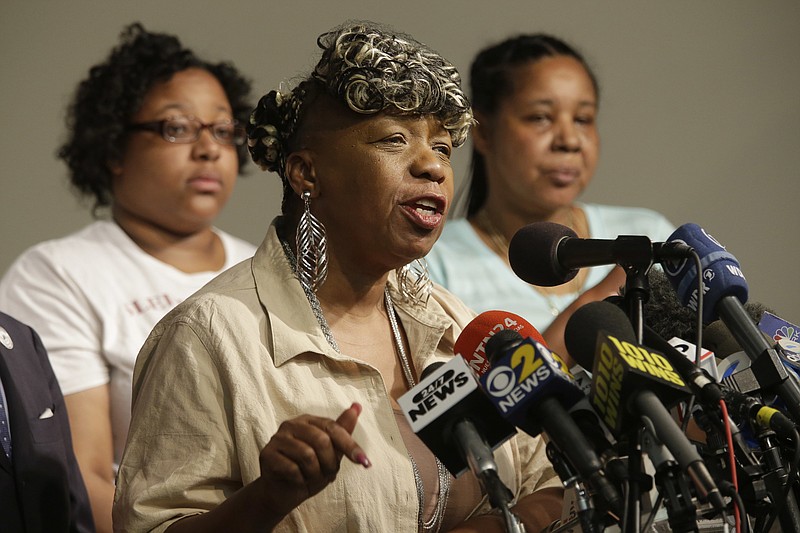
(434, 523)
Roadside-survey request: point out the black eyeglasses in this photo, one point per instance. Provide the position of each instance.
(185, 130)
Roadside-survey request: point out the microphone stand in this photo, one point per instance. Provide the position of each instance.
(636, 264)
(632, 517)
(778, 483)
(672, 485)
(635, 294)
(513, 523)
(500, 497)
(585, 512)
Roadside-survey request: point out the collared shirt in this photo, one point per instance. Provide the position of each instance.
(219, 374)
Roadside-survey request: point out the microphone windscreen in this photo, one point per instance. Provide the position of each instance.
(501, 342)
(580, 333)
(471, 343)
(533, 254)
(664, 313)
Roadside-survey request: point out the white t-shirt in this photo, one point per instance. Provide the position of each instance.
(93, 297)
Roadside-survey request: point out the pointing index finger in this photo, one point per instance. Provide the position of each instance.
(340, 434)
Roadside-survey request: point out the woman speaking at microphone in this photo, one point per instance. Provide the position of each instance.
(248, 396)
(535, 149)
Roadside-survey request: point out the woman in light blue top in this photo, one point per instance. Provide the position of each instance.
(535, 149)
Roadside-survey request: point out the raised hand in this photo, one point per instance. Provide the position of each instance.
(304, 456)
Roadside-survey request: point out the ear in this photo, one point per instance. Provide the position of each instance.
(480, 133)
(301, 173)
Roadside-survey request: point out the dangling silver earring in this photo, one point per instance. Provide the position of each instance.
(312, 249)
(414, 282)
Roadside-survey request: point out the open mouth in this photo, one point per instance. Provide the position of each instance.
(426, 207)
(427, 212)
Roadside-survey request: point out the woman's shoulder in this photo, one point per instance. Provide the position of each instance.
(76, 248)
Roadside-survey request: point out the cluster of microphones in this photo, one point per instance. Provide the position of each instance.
(680, 415)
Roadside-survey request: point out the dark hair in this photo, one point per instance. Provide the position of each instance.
(369, 68)
(114, 91)
(492, 79)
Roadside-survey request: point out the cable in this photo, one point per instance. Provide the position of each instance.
(653, 511)
(737, 514)
(698, 348)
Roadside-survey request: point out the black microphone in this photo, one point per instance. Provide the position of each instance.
(719, 339)
(449, 412)
(581, 412)
(708, 392)
(549, 254)
(629, 379)
(724, 292)
(759, 415)
(666, 318)
(531, 387)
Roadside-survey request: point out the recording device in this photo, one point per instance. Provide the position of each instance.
(471, 343)
(549, 254)
(632, 384)
(724, 292)
(531, 387)
(450, 413)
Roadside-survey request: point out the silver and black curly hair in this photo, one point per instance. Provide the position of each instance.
(370, 69)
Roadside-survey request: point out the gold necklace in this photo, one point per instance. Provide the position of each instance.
(499, 244)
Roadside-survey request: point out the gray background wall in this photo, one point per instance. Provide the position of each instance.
(700, 109)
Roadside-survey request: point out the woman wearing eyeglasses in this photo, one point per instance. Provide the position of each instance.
(155, 139)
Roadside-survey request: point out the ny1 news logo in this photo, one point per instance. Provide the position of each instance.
(437, 393)
(512, 379)
(617, 361)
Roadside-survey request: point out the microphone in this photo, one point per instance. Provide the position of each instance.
(709, 392)
(779, 329)
(581, 412)
(735, 368)
(450, 413)
(725, 291)
(629, 379)
(759, 415)
(664, 312)
(719, 339)
(531, 387)
(670, 319)
(471, 343)
(549, 254)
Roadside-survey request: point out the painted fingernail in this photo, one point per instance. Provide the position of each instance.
(357, 407)
(362, 459)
